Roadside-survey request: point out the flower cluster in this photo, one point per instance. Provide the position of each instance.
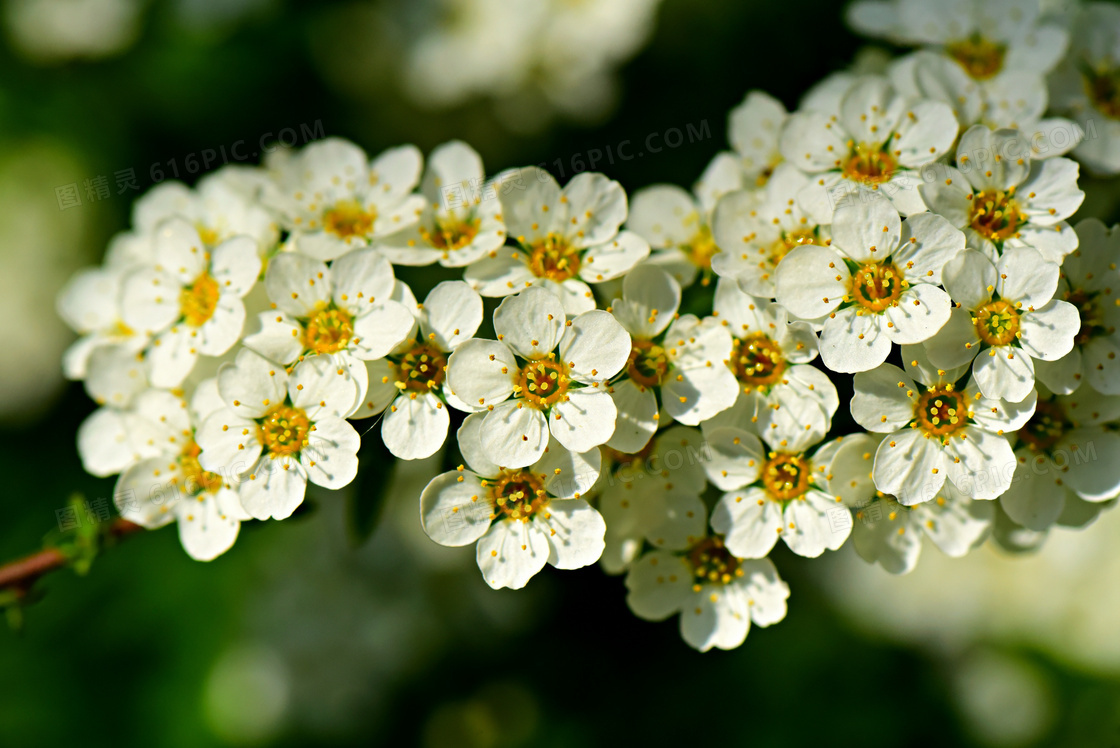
(907, 228)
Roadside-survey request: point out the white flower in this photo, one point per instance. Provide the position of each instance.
(754, 127)
(937, 430)
(653, 495)
(278, 431)
(677, 359)
(1067, 452)
(779, 492)
(114, 438)
(188, 301)
(1015, 99)
(566, 239)
(756, 229)
(411, 381)
(1004, 319)
(543, 374)
(346, 312)
(717, 595)
(877, 141)
(461, 221)
(1090, 282)
(876, 284)
(90, 304)
(769, 358)
(1001, 199)
(173, 486)
(223, 205)
(987, 39)
(889, 533)
(333, 199)
(520, 518)
(1087, 85)
(676, 226)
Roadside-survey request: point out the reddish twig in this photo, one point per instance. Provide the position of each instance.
(21, 573)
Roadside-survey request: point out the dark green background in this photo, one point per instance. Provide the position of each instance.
(385, 649)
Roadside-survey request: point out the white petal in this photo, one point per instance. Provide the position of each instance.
(664, 215)
(229, 444)
(811, 281)
(596, 207)
(274, 488)
(603, 262)
(737, 458)
(658, 585)
(927, 132)
(993, 160)
(360, 279)
(531, 323)
(851, 342)
(880, 403)
(511, 553)
(1004, 372)
(324, 385)
(967, 278)
(922, 310)
(481, 372)
(811, 527)
(1048, 332)
(415, 428)
(928, 242)
(209, 527)
(715, 617)
(454, 510)
(235, 265)
(692, 396)
(986, 464)
(522, 207)
(1024, 276)
(595, 346)
(279, 337)
(866, 230)
(956, 343)
(297, 284)
(584, 420)
(751, 522)
(515, 435)
(910, 466)
(1034, 501)
(1053, 191)
(503, 273)
(380, 329)
(636, 421)
(650, 298)
(576, 531)
(452, 313)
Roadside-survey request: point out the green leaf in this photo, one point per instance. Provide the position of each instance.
(367, 499)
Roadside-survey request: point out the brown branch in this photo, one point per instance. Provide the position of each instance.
(21, 573)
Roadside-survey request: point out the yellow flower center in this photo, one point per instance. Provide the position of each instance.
(997, 322)
(649, 363)
(1045, 427)
(348, 218)
(208, 235)
(700, 250)
(285, 430)
(712, 563)
(421, 369)
(1103, 88)
(451, 234)
(553, 258)
(981, 58)
(195, 479)
(870, 165)
(757, 360)
(789, 242)
(544, 382)
(995, 214)
(328, 330)
(877, 286)
(1092, 316)
(198, 301)
(786, 476)
(517, 494)
(941, 411)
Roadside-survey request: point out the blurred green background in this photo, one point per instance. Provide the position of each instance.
(297, 638)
